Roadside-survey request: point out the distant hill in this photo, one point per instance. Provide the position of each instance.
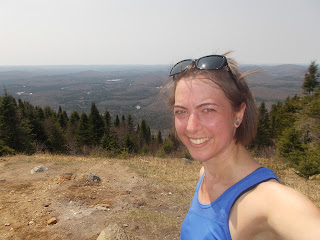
(131, 89)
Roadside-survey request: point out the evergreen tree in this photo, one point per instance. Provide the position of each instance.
(107, 121)
(130, 125)
(290, 145)
(310, 78)
(15, 131)
(145, 132)
(159, 138)
(48, 112)
(72, 127)
(83, 134)
(96, 125)
(56, 141)
(8, 121)
(117, 121)
(263, 138)
(62, 118)
(74, 118)
(129, 143)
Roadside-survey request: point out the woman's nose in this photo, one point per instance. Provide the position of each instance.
(193, 123)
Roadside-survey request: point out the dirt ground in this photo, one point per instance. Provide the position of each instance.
(147, 197)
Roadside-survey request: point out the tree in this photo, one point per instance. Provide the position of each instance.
(263, 138)
(56, 141)
(159, 138)
(96, 124)
(117, 121)
(130, 123)
(290, 145)
(310, 78)
(83, 135)
(145, 132)
(15, 132)
(107, 121)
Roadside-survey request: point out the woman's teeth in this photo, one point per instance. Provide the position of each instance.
(199, 141)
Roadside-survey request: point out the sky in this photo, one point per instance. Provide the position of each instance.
(91, 32)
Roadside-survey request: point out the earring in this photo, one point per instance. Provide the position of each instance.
(237, 123)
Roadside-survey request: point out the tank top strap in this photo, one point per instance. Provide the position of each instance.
(248, 183)
(199, 182)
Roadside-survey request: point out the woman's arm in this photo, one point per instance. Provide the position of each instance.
(291, 215)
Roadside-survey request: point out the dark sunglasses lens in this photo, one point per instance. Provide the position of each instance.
(180, 67)
(211, 62)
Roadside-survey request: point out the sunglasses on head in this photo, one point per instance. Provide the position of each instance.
(211, 62)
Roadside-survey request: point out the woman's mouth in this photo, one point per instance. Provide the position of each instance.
(198, 141)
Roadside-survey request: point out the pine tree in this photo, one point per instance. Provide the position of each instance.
(310, 78)
(56, 141)
(130, 126)
(145, 132)
(262, 138)
(74, 118)
(9, 121)
(290, 145)
(159, 138)
(117, 121)
(107, 121)
(96, 124)
(83, 134)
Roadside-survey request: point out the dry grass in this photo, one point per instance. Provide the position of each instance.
(151, 195)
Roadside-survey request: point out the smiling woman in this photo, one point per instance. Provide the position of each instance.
(236, 198)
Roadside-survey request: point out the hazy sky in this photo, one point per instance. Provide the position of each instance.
(51, 32)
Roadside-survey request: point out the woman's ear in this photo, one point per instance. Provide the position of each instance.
(239, 114)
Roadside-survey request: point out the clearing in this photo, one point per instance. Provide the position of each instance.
(148, 197)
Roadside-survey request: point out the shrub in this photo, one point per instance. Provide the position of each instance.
(5, 149)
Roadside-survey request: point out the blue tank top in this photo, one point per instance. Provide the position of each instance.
(211, 221)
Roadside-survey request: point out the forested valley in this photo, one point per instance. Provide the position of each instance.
(289, 130)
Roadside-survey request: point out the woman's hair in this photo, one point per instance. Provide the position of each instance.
(236, 90)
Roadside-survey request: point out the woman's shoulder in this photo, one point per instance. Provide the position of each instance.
(276, 197)
(280, 209)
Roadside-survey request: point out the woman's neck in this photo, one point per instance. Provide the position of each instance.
(230, 167)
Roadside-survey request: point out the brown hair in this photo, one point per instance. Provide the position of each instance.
(236, 90)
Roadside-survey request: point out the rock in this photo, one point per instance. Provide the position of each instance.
(314, 177)
(39, 169)
(186, 160)
(52, 221)
(113, 232)
(93, 178)
(65, 177)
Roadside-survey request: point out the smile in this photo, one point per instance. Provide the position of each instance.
(199, 141)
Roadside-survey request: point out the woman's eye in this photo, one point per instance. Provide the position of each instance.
(208, 110)
(179, 112)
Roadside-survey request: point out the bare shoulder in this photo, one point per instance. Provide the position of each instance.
(279, 195)
(289, 213)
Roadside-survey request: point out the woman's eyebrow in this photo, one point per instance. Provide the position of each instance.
(179, 106)
(207, 104)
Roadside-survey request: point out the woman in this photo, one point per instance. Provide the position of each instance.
(235, 198)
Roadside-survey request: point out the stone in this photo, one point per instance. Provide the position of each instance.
(39, 169)
(52, 221)
(186, 160)
(314, 177)
(113, 232)
(65, 177)
(93, 178)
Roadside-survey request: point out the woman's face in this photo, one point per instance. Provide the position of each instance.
(204, 118)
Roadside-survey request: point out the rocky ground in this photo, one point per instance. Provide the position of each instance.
(147, 197)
